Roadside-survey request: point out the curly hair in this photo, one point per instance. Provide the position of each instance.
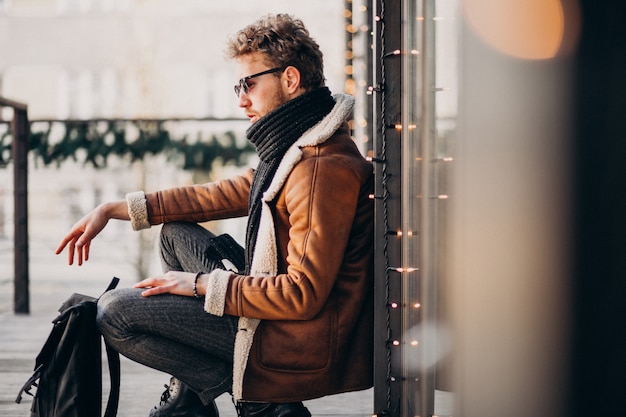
(285, 42)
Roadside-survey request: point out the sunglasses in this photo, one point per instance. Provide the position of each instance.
(243, 83)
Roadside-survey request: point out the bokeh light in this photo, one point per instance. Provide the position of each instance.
(527, 29)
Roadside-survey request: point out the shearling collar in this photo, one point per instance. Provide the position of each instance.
(316, 135)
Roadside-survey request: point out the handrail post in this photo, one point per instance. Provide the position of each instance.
(20, 178)
(20, 132)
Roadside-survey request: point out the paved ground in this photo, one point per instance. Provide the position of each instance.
(51, 281)
(22, 337)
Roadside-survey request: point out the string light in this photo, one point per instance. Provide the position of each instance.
(396, 342)
(398, 52)
(402, 269)
(400, 233)
(398, 126)
(392, 53)
(395, 305)
(396, 290)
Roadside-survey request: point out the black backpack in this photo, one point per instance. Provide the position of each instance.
(68, 370)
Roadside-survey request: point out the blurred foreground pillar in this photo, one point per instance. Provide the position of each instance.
(539, 227)
(510, 232)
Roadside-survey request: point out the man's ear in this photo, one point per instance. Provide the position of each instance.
(291, 80)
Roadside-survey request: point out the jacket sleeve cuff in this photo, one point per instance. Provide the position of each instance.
(137, 210)
(215, 297)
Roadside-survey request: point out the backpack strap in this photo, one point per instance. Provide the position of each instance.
(113, 358)
(32, 382)
(112, 284)
(114, 374)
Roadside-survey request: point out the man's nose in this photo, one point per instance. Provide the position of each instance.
(243, 99)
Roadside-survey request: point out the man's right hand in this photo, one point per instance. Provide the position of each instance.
(80, 236)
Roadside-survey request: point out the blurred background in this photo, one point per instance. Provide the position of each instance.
(122, 60)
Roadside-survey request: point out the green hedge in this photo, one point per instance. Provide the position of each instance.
(93, 142)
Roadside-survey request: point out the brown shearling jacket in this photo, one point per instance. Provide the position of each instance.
(314, 314)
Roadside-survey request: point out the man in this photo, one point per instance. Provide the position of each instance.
(292, 320)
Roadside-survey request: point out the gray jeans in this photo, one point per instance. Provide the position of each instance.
(173, 333)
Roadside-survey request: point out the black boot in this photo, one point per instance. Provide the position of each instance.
(249, 409)
(180, 401)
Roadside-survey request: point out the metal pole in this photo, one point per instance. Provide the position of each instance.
(387, 72)
(20, 131)
(429, 208)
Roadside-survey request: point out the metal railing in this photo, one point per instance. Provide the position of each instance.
(152, 138)
(19, 148)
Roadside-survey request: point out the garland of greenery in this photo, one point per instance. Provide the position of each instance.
(5, 148)
(84, 142)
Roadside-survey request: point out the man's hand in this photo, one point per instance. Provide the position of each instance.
(80, 236)
(173, 282)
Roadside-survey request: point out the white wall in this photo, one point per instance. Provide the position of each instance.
(140, 58)
(130, 59)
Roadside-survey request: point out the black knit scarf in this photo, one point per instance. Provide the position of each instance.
(272, 135)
